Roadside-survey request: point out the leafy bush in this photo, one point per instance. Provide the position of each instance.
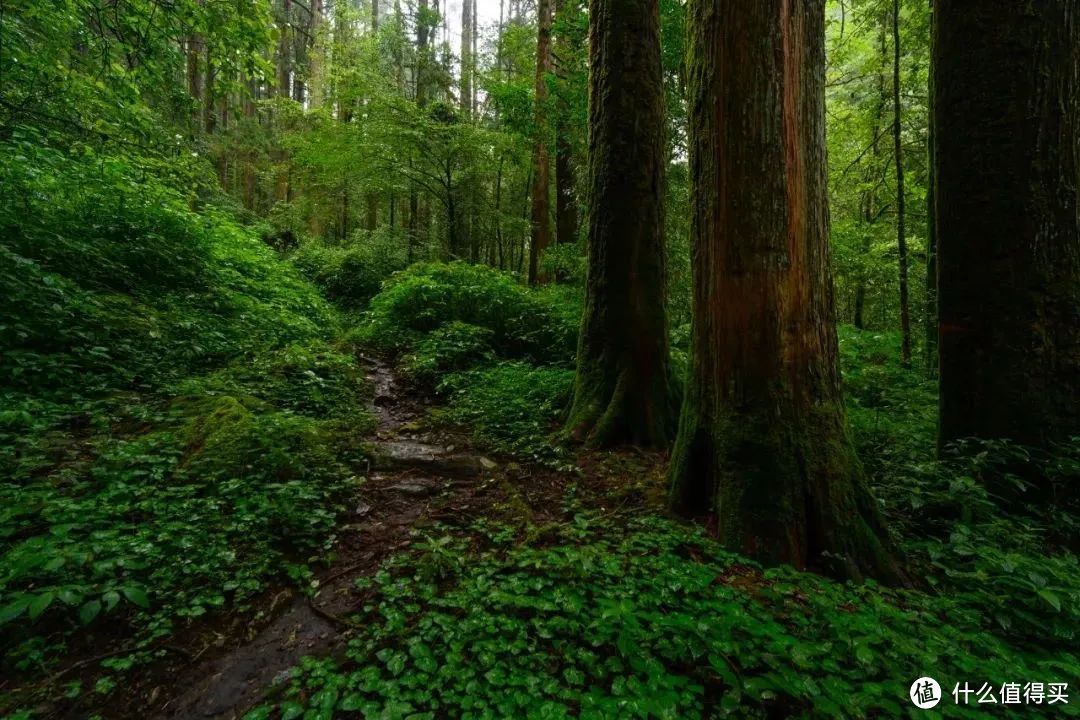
(111, 281)
(427, 296)
(167, 524)
(645, 619)
(352, 274)
(453, 347)
(312, 379)
(511, 406)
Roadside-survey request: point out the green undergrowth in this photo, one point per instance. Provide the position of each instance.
(351, 274)
(969, 525)
(178, 424)
(510, 406)
(891, 410)
(641, 617)
(497, 353)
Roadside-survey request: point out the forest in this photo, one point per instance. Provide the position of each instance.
(492, 359)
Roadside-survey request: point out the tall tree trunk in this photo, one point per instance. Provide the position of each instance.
(284, 49)
(762, 444)
(195, 79)
(1006, 144)
(209, 117)
(371, 217)
(931, 320)
(625, 391)
(465, 99)
(901, 228)
(868, 201)
(566, 216)
(498, 213)
(541, 200)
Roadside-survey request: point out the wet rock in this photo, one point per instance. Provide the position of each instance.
(431, 459)
(417, 487)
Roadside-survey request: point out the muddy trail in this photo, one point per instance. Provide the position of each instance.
(415, 477)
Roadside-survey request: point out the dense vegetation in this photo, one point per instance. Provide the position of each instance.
(214, 215)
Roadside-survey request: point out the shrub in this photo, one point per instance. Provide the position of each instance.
(350, 275)
(427, 296)
(174, 428)
(453, 347)
(511, 406)
(111, 281)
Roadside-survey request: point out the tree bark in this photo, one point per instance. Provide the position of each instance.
(465, 100)
(541, 200)
(931, 320)
(625, 391)
(1006, 144)
(566, 214)
(901, 227)
(762, 445)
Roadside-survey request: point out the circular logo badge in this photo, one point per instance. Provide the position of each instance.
(925, 693)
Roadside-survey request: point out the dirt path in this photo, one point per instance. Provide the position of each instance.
(415, 477)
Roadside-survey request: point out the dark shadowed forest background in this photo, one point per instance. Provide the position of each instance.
(535, 358)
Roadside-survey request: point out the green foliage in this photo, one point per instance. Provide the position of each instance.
(175, 521)
(351, 275)
(111, 280)
(451, 348)
(495, 350)
(427, 296)
(971, 523)
(891, 410)
(645, 618)
(511, 406)
(174, 428)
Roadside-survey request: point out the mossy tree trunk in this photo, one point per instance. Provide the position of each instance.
(1007, 140)
(624, 391)
(762, 445)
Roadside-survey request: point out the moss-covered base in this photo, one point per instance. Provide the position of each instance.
(783, 492)
(620, 407)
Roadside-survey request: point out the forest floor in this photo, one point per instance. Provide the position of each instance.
(418, 476)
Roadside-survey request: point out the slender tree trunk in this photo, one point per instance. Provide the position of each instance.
(414, 211)
(901, 228)
(195, 79)
(1006, 145)
(498, 213)
(869, 199)
(625, 391)
(472, 61)
(371, 217)
(541, 201)
(465, 99)
(931, 321)
(566, 215)
(284, 49)
(762, 445)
